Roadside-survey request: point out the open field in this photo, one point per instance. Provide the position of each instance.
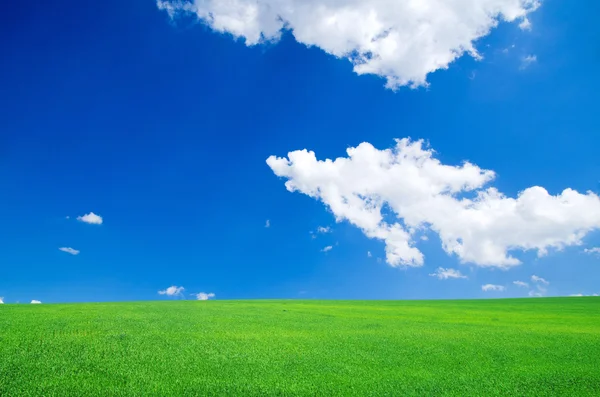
(536, 347)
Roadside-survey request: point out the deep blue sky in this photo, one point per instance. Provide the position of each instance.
(163, 129)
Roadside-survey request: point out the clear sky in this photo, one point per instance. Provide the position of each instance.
(134, 139)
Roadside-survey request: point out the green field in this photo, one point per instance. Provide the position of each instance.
(535, 347)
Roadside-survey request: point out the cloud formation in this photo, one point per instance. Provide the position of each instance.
(521, 284)
(475, 222)
(1, 300)
(401, 41)
(539, 280)
(592, 251)
(69, 250)
(35, 302)
(90, 218)
(539, 285)
(172, 291)
(268, 224)
(327, 249)
(323, 229)
(492, 287)
(528, 61)
(445, 274)
(203, 296)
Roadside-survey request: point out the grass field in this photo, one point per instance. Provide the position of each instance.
(536, 347)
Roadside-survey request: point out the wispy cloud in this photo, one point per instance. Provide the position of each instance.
(521, 284)
(69, 250)
(540, 280)
(90, 218)
(35, 302)
(324, 229)
(172, 291)
(327, 249)
(203, 296)
(268, 224)
(369, 254)
(528, 61)
(1, 300)
(592, 251)
(444, 274)
(492, 287)
(525, 24)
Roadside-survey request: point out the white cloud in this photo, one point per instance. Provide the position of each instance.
(539, 280)
(592, 251)
(424, 238)
(528, 61)
(172, 291)
(327, 249)
(445, 274)
(577, 295)
(203, 296)
(90, 218)
(69, 250)
(475, 222)
(521, 284)
(402, 41)
(268, 223)
(35, 302)
(492, 287)
(324, 229)
(369, 254)
(525, 24)
(535, 294)
(1, 300)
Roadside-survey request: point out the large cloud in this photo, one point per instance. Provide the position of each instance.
(477, 223)
(402, 41)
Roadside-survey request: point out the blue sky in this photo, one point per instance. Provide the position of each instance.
(162, 126)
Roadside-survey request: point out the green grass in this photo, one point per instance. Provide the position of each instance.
(534, 347)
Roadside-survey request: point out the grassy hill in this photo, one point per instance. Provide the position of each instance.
(536, 347)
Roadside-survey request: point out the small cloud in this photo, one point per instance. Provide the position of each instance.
(369, 254)
(525, 24)
(90, 218)
(492, 287)
(69, 250)
(1, 300)
(445, 274)
(35, 302)
(528, 61)
(539, 280)
(592, 251)
(577, 295)
(521, 284)
(322, 229)
(203, 296)
(172, 291)
(535, 294)
(379, 260)
(424, 238)
(268, 224)
(327, 249)
(67, 217)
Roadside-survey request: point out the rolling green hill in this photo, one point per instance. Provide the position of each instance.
(517, 347)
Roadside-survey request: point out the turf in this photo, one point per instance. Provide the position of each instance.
(534, 347)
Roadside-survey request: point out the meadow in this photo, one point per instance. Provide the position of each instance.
(512, 347)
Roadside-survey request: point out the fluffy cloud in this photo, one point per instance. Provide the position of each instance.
(327, 249)
(90, 218)
(172, 291)
(479, 224)
(402, 41)
(69, 250)
(492, 287)
(592, 251)
(521, 284)
(445, 274)
(1, 300)
(35, 302)
(203, 296)
(323, 229)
